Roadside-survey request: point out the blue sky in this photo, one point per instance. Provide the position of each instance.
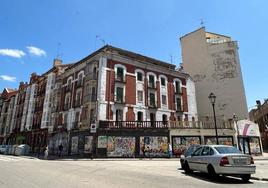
(40, 30)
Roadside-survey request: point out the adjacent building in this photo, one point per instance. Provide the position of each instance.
(260, 116)
(213, 62)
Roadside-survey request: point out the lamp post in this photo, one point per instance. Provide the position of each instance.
(212, 99)
(235, 118)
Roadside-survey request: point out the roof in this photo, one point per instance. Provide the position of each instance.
(129, 54)
(10, 90)
(192, 32)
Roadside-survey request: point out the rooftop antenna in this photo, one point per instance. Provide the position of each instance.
(101, 39)
(171, 58)
(202, 23)
(58, 51)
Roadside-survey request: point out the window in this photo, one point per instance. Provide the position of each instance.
(119, 94)
(206, 151)
(164, 99)
(178, 87)
(93, 94)
(179, 108)
(151, 81)
(152, 99)
(163, 81)
(139, 76)
(140, 96)
(198, 151)
(78, 98)
(140, 116)
(95, 73)
(120, 73)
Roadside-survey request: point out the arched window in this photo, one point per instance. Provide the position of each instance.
(94, 73)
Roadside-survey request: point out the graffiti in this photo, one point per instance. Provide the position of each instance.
(88, 144)
(55, 141)
(121, 146)
(225, 65)
(74, 145)
(154, 146)
(102, 142)
(180, 144)
(222, 140)
(199, 77)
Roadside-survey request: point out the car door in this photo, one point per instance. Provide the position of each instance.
(194, 159)
(205, 158)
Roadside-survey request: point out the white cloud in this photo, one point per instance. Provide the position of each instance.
(36, 51)
(8, 78)
(12, 53)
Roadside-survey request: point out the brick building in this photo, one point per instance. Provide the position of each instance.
(112, 103)
(260, 116)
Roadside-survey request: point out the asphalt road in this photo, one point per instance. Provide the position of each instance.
(17, 172)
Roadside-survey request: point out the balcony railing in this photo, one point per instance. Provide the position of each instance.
(152, 104)
(179, 109)
(199, 125)
(163, 124)
(151, 85)
(178, 91)
(133, 124)
(119, 100)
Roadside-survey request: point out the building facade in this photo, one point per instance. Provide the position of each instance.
(113, 103)
(213, 62)
(259, 115)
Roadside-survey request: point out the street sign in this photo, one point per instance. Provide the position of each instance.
(93, 128)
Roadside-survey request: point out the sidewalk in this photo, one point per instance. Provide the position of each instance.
(264, 156)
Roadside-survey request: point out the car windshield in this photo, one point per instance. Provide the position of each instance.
(223, 150)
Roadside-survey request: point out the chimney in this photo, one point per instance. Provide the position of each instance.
(57, 62)
(258, 103)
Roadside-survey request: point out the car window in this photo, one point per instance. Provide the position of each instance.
(211, 152)
(198, 151)
(223, 149)
(206, 151)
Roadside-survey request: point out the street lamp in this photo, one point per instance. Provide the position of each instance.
(235, 118)
(212, 99)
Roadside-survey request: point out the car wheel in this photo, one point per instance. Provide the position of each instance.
(187, 169)
(211, 172)
(245, 177)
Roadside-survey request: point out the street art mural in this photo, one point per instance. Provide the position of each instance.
(181, 143)
(102, 141)
(88, 144)
(121, 146)
(151, 146)
(74, 145)
(222, 140)
(55, 141)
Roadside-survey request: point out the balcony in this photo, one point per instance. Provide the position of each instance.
(179, 109)
(199, 125)
(119, 100)
(151, 85)
(178, 91)
(133, 125)
(120, 79)
(152, 105)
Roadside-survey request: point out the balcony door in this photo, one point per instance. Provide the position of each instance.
(152, 119)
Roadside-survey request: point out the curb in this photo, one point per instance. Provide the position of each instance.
(259, 179)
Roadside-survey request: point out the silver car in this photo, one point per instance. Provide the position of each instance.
(220, 160)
